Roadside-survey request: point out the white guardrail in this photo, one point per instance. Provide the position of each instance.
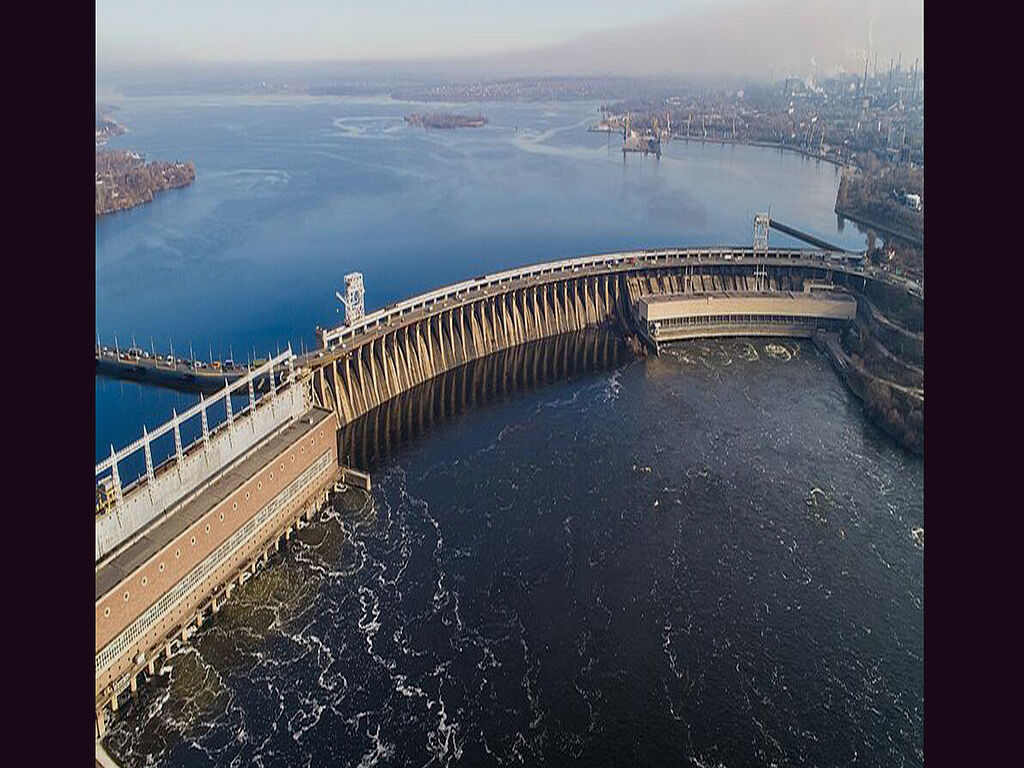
(330, 338)
(134, 507)
(200, 408)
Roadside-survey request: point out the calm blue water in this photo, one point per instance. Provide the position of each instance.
(292, 193)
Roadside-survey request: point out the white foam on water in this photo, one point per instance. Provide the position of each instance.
(369, 620)
(613, 386)
(380, 750)
(701, 763)
(778, 352)
(441, 741)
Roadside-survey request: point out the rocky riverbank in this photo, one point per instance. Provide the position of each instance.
(106, 126)
(881, 359)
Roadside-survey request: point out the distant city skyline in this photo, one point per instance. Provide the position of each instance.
(646, 37)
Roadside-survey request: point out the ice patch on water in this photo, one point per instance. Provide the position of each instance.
(535, 142)
(364, 127)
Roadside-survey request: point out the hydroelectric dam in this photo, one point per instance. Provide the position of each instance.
(376, 356)
(172, 545)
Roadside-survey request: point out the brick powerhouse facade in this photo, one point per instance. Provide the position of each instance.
(157, 584)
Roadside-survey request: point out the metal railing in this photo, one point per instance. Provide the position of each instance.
(638, 258)
(284, 359)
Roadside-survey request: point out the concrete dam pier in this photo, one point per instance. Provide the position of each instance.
(172, 545)
(371, 438)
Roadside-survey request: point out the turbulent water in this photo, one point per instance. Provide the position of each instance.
(699, 559)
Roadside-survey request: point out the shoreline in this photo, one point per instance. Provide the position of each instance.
(124, 180)
(858, 380)
(882, 229)
(103, 758)
(764, 144)
(142, 201)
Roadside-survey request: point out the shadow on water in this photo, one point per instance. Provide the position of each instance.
(372, 438)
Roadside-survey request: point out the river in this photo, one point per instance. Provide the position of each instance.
(704, 558)
(699, 559)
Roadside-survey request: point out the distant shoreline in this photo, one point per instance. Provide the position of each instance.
(107, 128)
(765, 144)
(124, 179)
(883, 229)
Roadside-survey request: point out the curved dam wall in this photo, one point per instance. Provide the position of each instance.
(393, 350)
(401, 358)
(371, 438)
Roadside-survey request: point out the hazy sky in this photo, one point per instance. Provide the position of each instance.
(559, 36)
